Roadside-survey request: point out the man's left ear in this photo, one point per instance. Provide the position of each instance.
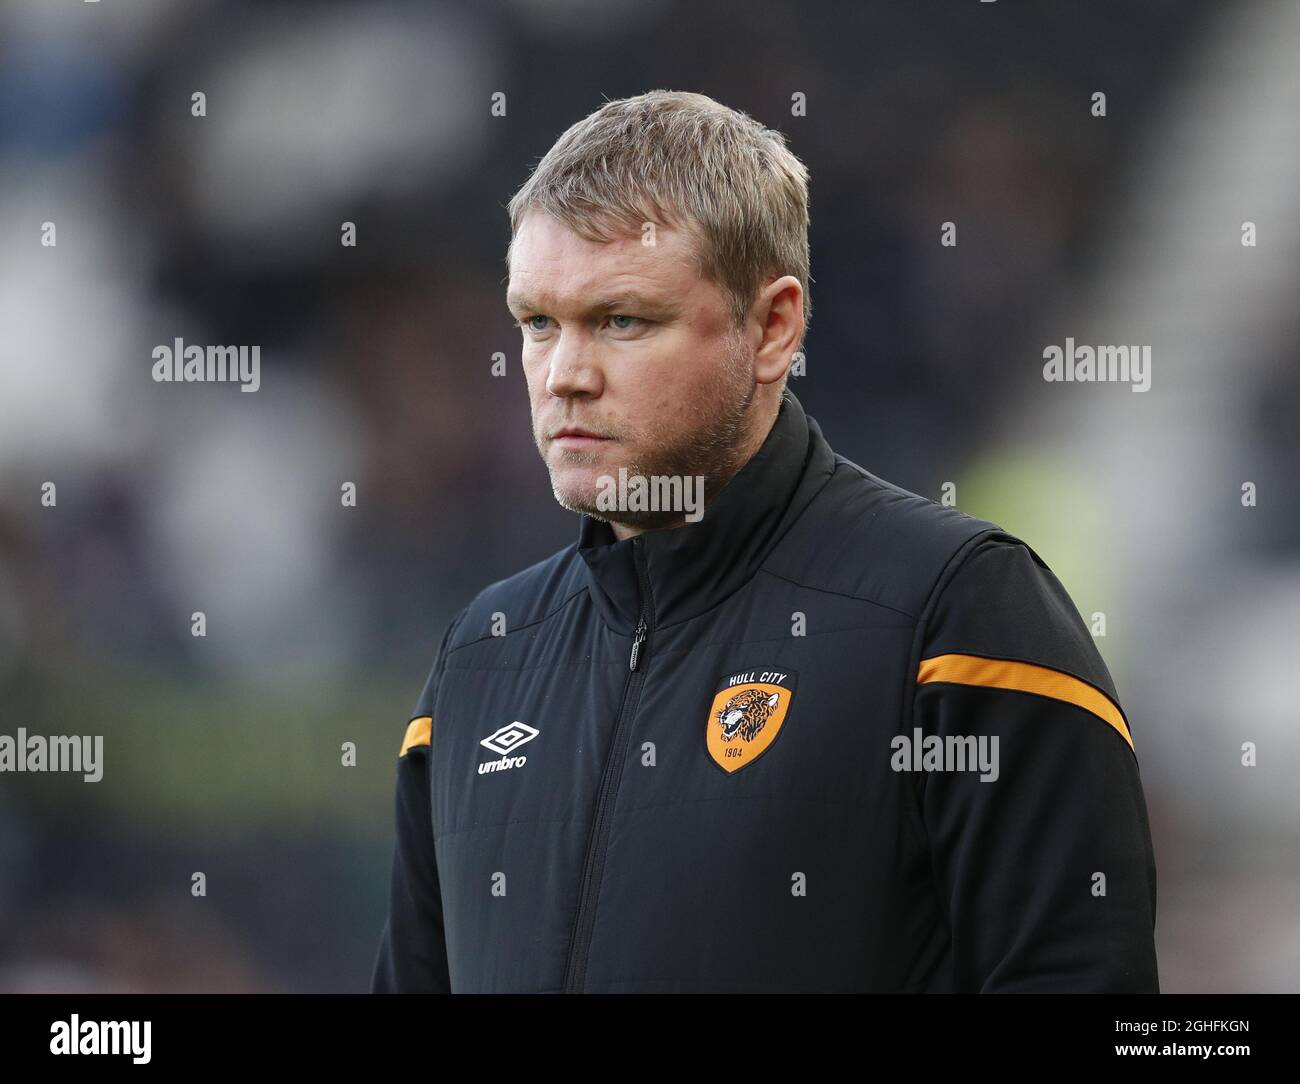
(780, 309)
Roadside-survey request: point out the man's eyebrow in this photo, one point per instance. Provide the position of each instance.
(616, 303)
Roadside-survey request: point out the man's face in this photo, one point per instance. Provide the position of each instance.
(631, 360)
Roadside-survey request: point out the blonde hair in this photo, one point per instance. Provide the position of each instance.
(689, 162)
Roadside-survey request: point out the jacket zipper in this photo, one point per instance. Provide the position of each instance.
(575, 971)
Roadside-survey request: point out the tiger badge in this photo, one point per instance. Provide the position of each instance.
(746, 716)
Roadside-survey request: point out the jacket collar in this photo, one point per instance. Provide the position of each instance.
(691, 568)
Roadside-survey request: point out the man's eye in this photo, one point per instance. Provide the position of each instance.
(538, 323)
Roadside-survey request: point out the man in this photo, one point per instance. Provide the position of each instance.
(828, 736)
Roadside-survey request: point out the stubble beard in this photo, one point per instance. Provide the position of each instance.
(715, 446)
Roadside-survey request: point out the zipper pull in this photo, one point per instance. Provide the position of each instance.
(638, 638)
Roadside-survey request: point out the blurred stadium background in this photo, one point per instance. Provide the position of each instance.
(222, 754)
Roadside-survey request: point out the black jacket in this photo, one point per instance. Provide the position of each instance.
(701, 759)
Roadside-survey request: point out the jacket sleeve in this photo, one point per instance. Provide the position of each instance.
(412, 955)
(1044, 866)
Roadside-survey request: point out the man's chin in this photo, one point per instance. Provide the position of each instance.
(585, 502)
(577, 488)
(581, 499)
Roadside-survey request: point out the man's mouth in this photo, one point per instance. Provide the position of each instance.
(575, 436)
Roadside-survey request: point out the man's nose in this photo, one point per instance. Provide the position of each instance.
(574, 368)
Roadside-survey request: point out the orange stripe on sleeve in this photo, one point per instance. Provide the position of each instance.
(1022, 677)
(417, 733)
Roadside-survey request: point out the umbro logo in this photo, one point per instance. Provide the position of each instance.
(504, 741)
(510, 736)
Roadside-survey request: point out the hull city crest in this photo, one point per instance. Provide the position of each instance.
(748, 711)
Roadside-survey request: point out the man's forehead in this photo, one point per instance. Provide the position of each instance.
(549, 263)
